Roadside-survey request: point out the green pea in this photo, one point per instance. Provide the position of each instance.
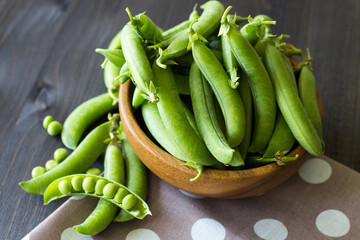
(37, 171)
(47, 120)
(76, 183)
(129, 201)
(51, 164)
(89, 184)
(65, 187)
(54, 128)
(109, 190)
(60, 154)
(119, 196)
(99, 187)
(93, 171)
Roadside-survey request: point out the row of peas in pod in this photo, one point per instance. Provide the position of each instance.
(218, 90)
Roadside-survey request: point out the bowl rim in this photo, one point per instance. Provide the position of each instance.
(127, 115)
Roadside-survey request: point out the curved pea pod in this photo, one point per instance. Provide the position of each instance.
(136, 177)
(139, 210)
(282, 139)
(187, 59)
(228, 98)
(174, 118)
(124, 74)
(105, 210)
(307, 93)
(259, 81)
(137, 99)
(207, 24)
(146, 27)
(83, 116)
(245, 94)
(115, 56)
(138, 62)
(290, 104)
(206, 119)
(157, 129)
(78, 161)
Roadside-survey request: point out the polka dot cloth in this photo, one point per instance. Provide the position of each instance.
(307, 206)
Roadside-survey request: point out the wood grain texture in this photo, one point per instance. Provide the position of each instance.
(48, 66)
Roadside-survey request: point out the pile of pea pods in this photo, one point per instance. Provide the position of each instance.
(217, 90)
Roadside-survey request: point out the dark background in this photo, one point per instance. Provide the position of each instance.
(48, 66)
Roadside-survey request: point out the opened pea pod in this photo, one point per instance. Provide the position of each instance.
(114, 192)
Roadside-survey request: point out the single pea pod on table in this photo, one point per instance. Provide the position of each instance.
(112, 191)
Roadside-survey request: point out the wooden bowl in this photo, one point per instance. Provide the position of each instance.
(212, 183)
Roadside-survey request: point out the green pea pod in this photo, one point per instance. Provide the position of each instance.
(138, 62)
(259, 81)
(245, 94)
(136, 177)
(124, 74)
(187, 59)
(146, 27)
(282, 139)
(228, 98)
(105, 211)
(255, 29)
(110, 69)
(205, 116)
(115, 56)
(157, 129)
(307, 93)
(54, 191)
(83, 116)
(78, 161)
(208, 23)
(175, 121)
(290, 104)
(137, 99)
(230, 63)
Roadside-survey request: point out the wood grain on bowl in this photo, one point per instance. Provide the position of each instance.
(212, 183)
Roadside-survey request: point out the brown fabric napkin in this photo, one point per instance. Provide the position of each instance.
(320, 202)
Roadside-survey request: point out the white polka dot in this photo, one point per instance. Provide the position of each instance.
(270, 229)
(190, 194)
(207, 228)
(333, 223)
(78, 197)
(315, 171)
(27, 237)
(142, 234)
(72, 234)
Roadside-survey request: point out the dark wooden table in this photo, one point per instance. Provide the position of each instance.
(48, 66)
